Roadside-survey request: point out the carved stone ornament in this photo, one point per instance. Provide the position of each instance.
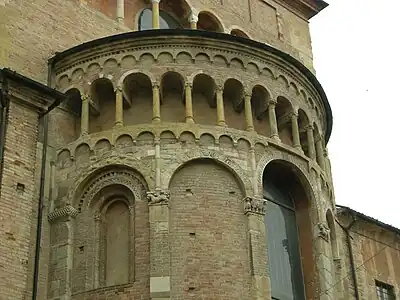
(67, 211)
(158, 196)
(254, 205)
(323, 231)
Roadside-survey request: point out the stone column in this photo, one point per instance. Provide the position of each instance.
(193, 19)
(156, 103)
(311, 143)
(155, 6)
(248, 112)
(220, 107)
(96, 265)
(120, 11)
(320, 153)
(119, 109)
(188, 103)
(61, 252)
(272, 120)
(254, 209)
(85, 115)
(295, 132)
(159, 244)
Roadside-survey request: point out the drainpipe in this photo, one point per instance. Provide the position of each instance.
(4, 107)
(350, 248)
(43, 115)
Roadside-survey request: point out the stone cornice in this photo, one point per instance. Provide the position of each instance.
(307, 8)
(64, 212)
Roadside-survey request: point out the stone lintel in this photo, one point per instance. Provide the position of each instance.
(64, 212)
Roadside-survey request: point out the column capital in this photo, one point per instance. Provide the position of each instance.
(118, 89)
(219, 88)
(254, 205)
(155, 1)
(188, 84)
(158, 197)
(155, 85)
(247, 94)
(85, 97)
(272, 103)
(193, 17)
(323, 231)
(294, 114)
(67, 212)
(308, 127)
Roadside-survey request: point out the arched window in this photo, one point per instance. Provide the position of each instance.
(284, 260)
(166, 20)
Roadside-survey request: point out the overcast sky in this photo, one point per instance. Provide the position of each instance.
(356, 47)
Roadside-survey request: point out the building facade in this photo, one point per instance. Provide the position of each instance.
(173, 150)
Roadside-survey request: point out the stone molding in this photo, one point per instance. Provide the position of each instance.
(66, 211)
(158, 197)
(254, 205)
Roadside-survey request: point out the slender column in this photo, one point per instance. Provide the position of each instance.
(97, 238)
(120, 11)
(272, 120)
(119, 113)
(254, 170)
(295, 132)
(158, 162)
(188, 103)
(311, 143)
(320, 153)
(193, 19)
(248, 112)
(155, 6)
(156, 103)
(85, 115)
(220, 107)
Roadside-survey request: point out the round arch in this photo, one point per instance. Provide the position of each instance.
(209, 21)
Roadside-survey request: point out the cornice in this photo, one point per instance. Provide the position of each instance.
(307, 8)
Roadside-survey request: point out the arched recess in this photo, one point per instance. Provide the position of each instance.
(284, 112)
(172, 97)
(234, 104)
(240, 33)
(208, 232)
(303, 122)
(207, 21)
(111, 234)
(74, 107)
(289, 232)
(260, 98)
(204, 102)
(138, 99)
(103, 96)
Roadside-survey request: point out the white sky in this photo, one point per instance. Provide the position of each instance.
(356, 46)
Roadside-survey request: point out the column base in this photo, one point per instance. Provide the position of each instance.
(275, 137)
(189, 120)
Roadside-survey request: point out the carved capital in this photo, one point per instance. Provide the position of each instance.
(65, 212)
(194, 16)
(158, 196)
(118, 89)
(272, 103)
(188, 85)
(155, 85)
(155, 1)
(85, 97)
(254, 205)
(323, 231)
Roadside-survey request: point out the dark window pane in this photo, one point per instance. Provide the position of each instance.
(272, 193)
(283, 253)
(166, 21)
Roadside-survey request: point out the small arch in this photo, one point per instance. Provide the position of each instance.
(284, 110)
(172, 97)
(243, 145)
(92, 71)
(124, 141)
(102, 146)
(234, 105)
(207, 140)
(63, 82)
(138, 99)
(240, 33)
(145, 138)
(165, 57)
(184, 58)
(293, 88)
(167, 137)
(268, 73)
(220, 61)
(283, 80)
(253, 68)
(226, 142)
(110, 66)
(202, 58)
(260, 99)
(147, 59)
(63, 159)
(82, 153)
(77, 75)
(187, 138)
(209, 22)
(236, 63)
(204, 99)
(128, 62)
